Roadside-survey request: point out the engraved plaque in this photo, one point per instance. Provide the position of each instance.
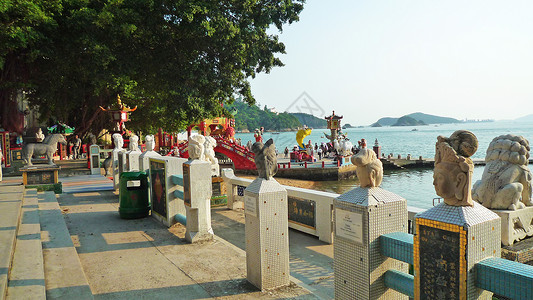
(96, 161)
(439, 263)
(187, 184)
(250, 205)
(349, 225)
(40, 177)
(302, 212)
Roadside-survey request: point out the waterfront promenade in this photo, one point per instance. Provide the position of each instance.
(81, 249)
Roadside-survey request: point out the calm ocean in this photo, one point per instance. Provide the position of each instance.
(414, 185)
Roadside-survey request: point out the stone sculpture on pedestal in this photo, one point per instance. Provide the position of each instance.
(48, 147)
(266, 223)
(133, 154)
(506, 180)
(505, 186)
(265, 159)
(196, 147)
(369, 168)
(452, 176)
(39, 136)
(452, 237)
(209, 155)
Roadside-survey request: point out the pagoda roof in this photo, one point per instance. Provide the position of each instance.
(333, 117)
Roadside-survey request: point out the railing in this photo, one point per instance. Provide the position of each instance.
(178, 180)
(317, 202)
(306, 164)
(500, 276)
(316, 208)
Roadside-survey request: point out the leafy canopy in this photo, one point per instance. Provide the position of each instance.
(179, 61)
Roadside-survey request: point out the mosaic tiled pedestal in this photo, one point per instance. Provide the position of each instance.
(362, 215)
(267, 234)
(450, 240)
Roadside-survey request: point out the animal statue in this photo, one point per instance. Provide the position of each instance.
(48, 147)
(506, 180)
(150, 144)
(301, 134)
(369, 168)
(265, 159)
(209, 155)
(134, 144)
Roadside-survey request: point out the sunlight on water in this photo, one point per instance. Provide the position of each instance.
(414, 185)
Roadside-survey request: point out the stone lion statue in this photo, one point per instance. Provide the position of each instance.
(506, 181)
(209, 155)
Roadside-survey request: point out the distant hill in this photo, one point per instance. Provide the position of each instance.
(386, 121)
(408, 121)
(250, 117)
(528, 118)
(310, 120)
(431, 119)
(418, 116)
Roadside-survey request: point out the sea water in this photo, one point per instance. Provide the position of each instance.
(415, 185)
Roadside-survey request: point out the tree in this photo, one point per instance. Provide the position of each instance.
(23, 27)
(179, 61)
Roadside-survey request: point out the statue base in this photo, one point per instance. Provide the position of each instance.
(516, 224)
(40, 174)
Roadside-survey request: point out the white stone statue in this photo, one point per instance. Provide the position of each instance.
(134, 144)
(369, 168)
(39, 135)
(119, 142)
(196, 147)
(344, 147)
(453, 171)
(150, 143)
(209, 155)
(506, 180)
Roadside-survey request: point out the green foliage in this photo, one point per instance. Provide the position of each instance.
(250, 117)
(179, 61)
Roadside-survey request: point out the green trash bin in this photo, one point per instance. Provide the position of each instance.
(133, 195)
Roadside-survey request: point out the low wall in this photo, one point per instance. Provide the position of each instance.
(310, 211)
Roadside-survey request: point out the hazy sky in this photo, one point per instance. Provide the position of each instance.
(371, 59)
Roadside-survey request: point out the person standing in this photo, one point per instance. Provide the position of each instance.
(286, 152)
(77, 147)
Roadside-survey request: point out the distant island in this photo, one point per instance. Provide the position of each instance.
(418, 118)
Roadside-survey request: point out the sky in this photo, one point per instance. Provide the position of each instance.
(373, 59)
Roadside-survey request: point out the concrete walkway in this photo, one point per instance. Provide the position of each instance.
(137, 259)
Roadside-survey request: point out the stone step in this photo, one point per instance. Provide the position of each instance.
(26, 280)
(11, 207)
(64, 275)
